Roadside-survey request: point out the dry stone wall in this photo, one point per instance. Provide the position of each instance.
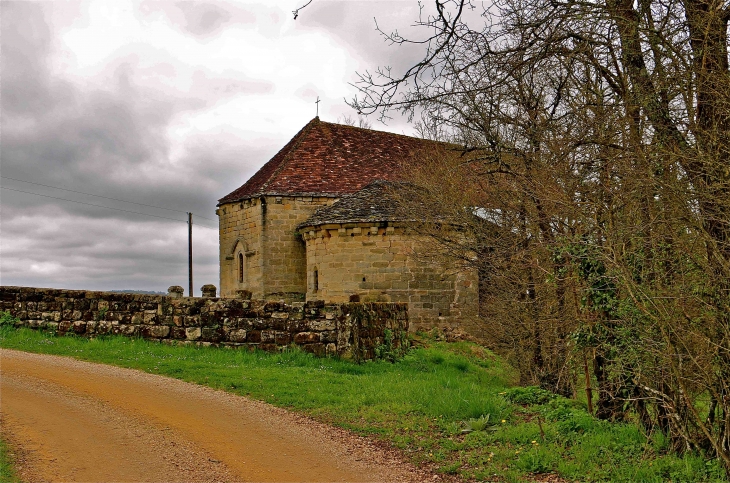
(347, 330)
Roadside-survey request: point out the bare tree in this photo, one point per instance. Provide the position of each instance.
(361, 121)
(594, 152)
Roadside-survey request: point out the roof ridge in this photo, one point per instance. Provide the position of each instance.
(300, 136)
(348, 126)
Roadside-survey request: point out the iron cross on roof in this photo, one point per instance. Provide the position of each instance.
(317, 102)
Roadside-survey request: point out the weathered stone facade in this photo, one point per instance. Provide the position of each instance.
(260, 249)
(347, 330)
(386, 263)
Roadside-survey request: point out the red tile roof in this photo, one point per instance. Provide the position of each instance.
(330, 160)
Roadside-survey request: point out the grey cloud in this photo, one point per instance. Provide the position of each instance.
(307, 91)
(353, 23)
(24, 88)
(200, 19)
(221, 86)
(50, 248)
(203, 19)
(111, 142)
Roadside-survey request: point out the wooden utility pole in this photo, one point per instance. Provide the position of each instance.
(190, 254)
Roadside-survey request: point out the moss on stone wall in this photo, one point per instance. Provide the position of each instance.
(347, 330)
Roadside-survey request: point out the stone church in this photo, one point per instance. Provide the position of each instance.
(317, 222)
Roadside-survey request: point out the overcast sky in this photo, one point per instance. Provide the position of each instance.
(169, 104)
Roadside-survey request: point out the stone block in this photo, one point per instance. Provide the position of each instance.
(237, 335)
(193, 333)
(155, 331)
(243, 294)
(329, 336)
(208, 290)
(331, 349)
(130, 330)
(297, 326)
(150, 317)
(81, 304)
(282, 338)
(192, 321)
(320, 325)
(254, 336)
(268, 336)
(260, 324)
(307, 338)
(212, 334)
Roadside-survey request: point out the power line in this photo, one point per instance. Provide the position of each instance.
(99, 196)
(102, 206)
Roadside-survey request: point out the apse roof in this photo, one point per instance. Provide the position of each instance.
(373, 203)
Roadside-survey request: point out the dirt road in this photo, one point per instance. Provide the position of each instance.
(75, 421)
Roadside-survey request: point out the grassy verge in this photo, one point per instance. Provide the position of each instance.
(7, 471)
(447, 404)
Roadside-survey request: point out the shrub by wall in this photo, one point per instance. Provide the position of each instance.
(357, 330)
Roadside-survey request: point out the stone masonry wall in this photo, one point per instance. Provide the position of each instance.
(286, 265)
(264, 229)
(347, 330)
(381, 262)
(239, 227)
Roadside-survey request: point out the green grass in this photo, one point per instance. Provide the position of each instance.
(7, 471)
(421, 404)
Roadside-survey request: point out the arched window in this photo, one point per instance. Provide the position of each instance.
(240, 267)
(315, 280)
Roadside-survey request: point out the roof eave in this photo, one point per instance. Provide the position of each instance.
(224, 201)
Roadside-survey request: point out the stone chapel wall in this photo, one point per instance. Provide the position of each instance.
(240, 234)
(385, 263)
(264, 231)
(285, 265)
